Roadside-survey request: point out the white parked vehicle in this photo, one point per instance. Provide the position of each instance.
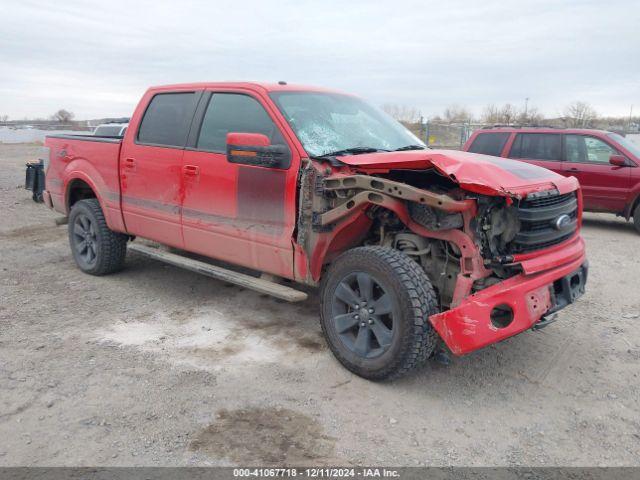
(111, 130)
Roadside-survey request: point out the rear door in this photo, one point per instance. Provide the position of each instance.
(239, 213)
(542, 149)
(605, 187)
(151, 167)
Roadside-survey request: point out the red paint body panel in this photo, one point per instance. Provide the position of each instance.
(477, 173)
(605, 187)
(573, 249)
(242, 214)
(247, 215)
(247, 139)
(468, 327)
(152, 184)
(96, 164)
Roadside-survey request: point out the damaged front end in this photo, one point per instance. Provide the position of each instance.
(499, 260)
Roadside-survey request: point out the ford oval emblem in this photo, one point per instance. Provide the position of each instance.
(561, 222)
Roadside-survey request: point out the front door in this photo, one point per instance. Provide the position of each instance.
(151, 179)
(605, 187)
(243, 214)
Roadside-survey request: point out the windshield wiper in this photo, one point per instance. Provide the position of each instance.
(353, 151)
(410, 147)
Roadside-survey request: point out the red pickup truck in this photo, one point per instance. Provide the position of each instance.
(409, 246)
(605, 163)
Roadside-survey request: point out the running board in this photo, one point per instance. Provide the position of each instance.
(258, 284)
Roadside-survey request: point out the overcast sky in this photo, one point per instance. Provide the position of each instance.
(97, 58)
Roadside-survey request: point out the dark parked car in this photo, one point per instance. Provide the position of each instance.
(605, 163)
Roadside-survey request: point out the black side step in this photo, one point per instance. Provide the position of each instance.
(258, 284)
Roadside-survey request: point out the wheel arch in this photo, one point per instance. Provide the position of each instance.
(632, 206)
(346, 235)
(79, 186)
(79, 189)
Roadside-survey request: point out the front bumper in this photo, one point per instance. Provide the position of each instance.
(530, 297)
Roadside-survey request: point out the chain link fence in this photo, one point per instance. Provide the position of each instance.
(444, 135)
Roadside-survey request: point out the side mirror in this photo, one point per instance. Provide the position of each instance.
(256, 149)
(618, 160)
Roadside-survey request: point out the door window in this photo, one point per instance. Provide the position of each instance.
(575, 150)
(231, 112)
(167, 119)
(537, 146)
(581, 149)
(489, 143)
(597, 150)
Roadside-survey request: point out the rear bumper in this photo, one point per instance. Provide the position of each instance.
(469, 326)
(46, 197)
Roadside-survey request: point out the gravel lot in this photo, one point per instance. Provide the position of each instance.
(158, 366)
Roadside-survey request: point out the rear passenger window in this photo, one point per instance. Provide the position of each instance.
(489, 143)
(167, 119)
(537, 146)
(237, 113)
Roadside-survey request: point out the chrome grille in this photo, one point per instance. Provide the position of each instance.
(544, 222)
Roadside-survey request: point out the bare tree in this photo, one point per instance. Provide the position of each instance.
(490, 114)
(580, 114)
(456, 114)
(402, 113)
(508, 114)
(62, 116)
(4, 118)
(531, 117)
(505, 114)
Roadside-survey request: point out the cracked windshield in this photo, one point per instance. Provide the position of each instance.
(335, 124)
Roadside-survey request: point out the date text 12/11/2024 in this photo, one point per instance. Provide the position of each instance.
(316, 472)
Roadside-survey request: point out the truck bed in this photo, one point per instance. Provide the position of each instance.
(91, 159)
(87, 138)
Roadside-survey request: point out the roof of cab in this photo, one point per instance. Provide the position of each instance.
(256, 86)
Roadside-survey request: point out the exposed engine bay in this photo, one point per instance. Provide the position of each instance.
(465, 241)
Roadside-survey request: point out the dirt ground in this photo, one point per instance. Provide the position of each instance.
(159, 366)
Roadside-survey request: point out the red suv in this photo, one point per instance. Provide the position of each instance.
(605, 163)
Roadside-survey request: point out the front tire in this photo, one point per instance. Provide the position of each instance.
(96, 249)
(636, 217)
(375, 305)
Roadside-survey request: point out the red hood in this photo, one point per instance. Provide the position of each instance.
(474, 172)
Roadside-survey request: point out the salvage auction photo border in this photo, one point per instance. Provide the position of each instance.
(319, 240)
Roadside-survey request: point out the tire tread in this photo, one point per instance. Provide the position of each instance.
(113, 245)
(420, 341)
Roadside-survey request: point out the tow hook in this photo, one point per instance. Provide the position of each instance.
(544, 321)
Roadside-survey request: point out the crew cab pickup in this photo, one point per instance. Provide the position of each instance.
(410, 247)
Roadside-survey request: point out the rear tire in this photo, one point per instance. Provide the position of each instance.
(636, 217)
(96, 249)
(375, 305)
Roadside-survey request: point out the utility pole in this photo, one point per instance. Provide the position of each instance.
(630, 115)
(526, 105)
